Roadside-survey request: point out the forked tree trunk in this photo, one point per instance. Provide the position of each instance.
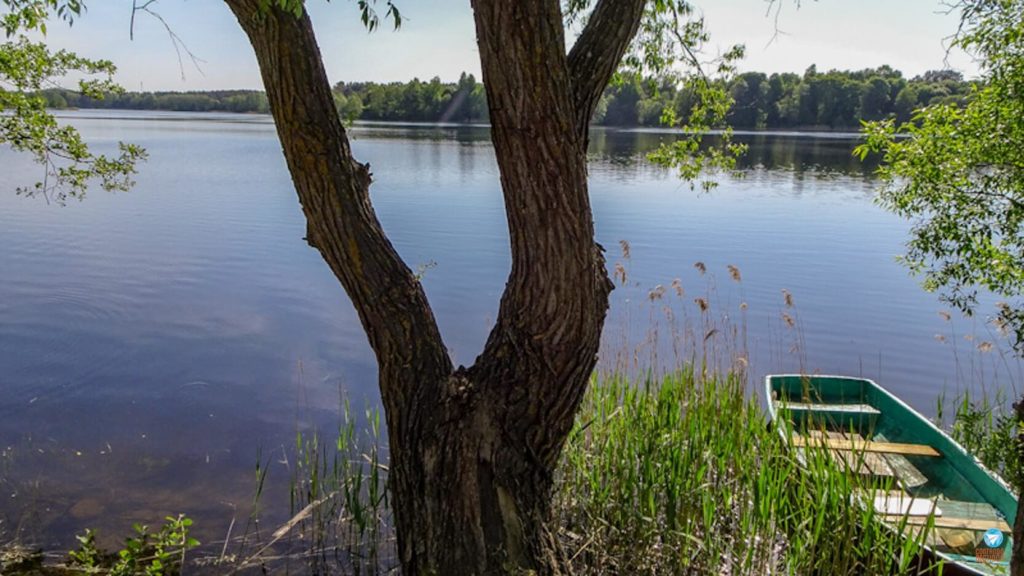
(473, 450)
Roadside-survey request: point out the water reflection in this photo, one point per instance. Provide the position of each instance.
(815, 155)
(820, 155)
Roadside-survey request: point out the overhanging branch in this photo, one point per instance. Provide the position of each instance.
(596, 55)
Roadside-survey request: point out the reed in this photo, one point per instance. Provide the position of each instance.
(684, 475)
(680, 474)
(980, 408)
(986, 425)
(339, 499)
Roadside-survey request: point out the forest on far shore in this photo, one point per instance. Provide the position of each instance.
(814, 100)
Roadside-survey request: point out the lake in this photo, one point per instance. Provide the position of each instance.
(154, 345)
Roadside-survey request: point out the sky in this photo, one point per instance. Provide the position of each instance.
(437, 39)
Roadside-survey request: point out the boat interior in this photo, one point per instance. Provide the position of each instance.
(915, 476)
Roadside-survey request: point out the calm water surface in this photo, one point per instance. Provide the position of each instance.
(151, 343)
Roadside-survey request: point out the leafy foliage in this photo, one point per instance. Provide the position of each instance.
(144, 554)
(669, 45)
(668, 48)
(959, 176)
(27, 67)
(32, 14)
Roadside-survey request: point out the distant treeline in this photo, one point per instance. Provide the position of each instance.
(212, 101)
(834, 99)
(415, 101)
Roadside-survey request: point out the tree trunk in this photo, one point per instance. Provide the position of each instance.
(473, 450)
(1017, 553)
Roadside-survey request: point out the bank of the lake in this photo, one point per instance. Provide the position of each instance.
(679, 474)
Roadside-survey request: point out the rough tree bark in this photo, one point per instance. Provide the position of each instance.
(473, 450)
(1017, 551)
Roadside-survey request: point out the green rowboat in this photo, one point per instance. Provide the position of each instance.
(929, 479)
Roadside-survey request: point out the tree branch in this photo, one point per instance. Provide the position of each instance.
(334, 191)
(595, 56)
(176, 40)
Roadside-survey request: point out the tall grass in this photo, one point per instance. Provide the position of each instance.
(983, 417)
(987, 427)
(339, 503)
(684, 475)
(340, 500)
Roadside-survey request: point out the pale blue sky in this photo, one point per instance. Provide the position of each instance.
(437, 39)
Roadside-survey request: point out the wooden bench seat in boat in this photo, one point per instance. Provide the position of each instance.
(834, 408)
(871, 464)
(855, 445)
(861, 463)
(974, 516)
(907, 475)
(972, 524)
(899, 503)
